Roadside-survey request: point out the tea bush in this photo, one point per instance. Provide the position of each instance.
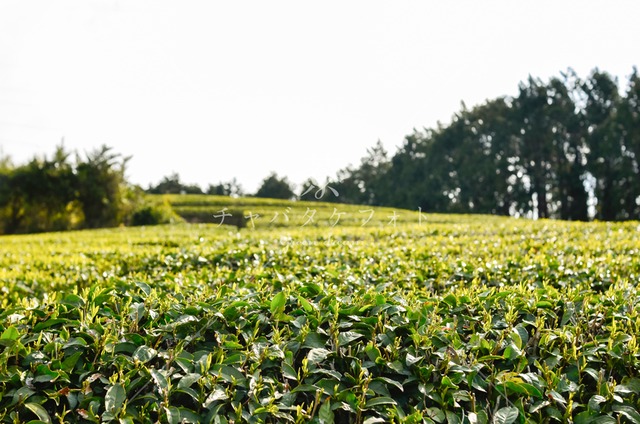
(459, 319)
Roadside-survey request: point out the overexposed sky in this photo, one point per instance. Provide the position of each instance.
(215, 90)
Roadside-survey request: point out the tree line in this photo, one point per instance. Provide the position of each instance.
(565, 148)
(65, 192)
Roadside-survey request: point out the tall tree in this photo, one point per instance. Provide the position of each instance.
(628, 120)
(5, 162)
(229, 188)
(101, 187)
(366, 184)
(533, 132)
(566, 155)
(172, 185)
(40, 195)
(275, 187)
(604, 140)
(311, 191)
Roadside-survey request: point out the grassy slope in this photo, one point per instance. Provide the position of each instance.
(492, 316)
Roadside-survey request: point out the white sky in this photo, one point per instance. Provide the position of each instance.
(215, 90)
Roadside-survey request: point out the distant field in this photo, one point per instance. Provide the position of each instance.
(270, 213)
(457, 319)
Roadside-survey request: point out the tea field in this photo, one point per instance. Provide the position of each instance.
(256, 212)
(436, 319)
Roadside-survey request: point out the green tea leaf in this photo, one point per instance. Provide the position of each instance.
(388, 381)
(114, 399)
(478, 418)
(305, 388)
(325, 413)
(627, 411)
(144, 354)
(188, 380)
(314, 340)
(22, 394)
(40, 412)
(523, 388)
(382, 400)
(216, 395)
(507, 415)
(70, 362)
(277, 303)
(159, 379)
(289, 372)
(173, 415)
(452, 418)
(436, 414)
(372, 351)
(10, 334)
(347, 337)
(628, 386)
(305, 304)
(317, 355)
(603, 419)
(146, 289)
(595, 401)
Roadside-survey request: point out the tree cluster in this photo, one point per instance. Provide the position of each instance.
(173, 185)
(567, 148)
(272, 186)
(57, 193)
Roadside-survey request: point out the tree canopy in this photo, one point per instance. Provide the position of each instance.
(275, 187)
(566, 148)
(58, 193)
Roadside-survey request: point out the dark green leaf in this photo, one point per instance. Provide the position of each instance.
(188, 380)
(452, 418)
(628, 386)
(347, 337)
(388, 381)
(627, 411)
(289, 372)
(382, 400)
(478, 418)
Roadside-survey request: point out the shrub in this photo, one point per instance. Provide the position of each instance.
(154, 214)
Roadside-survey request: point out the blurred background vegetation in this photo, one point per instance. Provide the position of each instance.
(567, 148)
